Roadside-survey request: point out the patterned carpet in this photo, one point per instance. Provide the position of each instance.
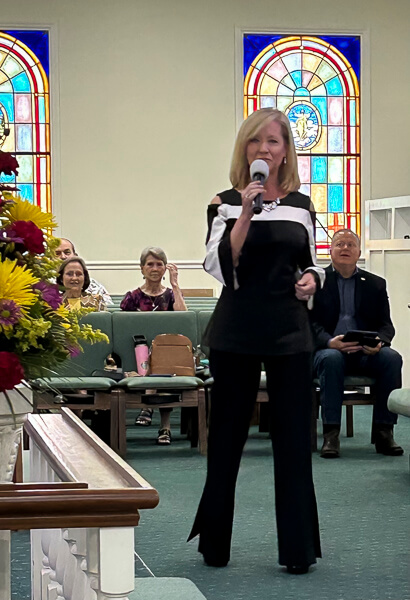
(364, 511)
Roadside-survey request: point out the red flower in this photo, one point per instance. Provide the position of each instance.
(31, 235)
(8, 164)
(11, 371)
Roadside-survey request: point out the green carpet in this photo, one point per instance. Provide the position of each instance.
(364, 511)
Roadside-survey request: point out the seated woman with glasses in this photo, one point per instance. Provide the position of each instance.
(74, 277)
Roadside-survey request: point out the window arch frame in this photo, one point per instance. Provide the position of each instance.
(51, 146)
(365, 115)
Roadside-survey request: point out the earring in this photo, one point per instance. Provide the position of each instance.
(284, 160)
(143, 276)
(163, 279)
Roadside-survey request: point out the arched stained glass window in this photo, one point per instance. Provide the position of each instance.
(315, 82)
(25, 112)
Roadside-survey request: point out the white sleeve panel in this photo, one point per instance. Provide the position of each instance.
(212, 263)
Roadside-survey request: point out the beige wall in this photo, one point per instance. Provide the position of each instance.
(144, 113)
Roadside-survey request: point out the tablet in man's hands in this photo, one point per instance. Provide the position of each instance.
(365, 338)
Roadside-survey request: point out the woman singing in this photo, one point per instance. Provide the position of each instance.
(267, 265)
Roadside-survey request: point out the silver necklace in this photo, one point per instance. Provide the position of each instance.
(269, 206)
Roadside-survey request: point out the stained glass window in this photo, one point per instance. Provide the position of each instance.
(315, 82)
(25, 111)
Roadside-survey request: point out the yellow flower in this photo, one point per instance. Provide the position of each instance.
(23, 210)
(16, 284)
(63, 312)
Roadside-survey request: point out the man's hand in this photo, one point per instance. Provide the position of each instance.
(372, 351)
(346, 347)
(305, 287)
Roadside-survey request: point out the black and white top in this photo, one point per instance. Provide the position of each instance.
(258, 312)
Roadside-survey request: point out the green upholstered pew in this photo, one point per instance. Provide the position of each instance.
(73, 385)
(190, 389)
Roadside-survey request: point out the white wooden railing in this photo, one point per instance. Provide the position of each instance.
(82, 524)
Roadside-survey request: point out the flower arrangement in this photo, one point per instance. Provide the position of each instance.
(37, 332)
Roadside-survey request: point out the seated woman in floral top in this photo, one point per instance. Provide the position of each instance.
(152, 295)
(73, 275)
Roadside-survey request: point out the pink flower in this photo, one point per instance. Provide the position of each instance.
(32, 236)
(74, 351)
(10, 313)
(11, 371)
(50, 292)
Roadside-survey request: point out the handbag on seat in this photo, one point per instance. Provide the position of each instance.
(172, 354)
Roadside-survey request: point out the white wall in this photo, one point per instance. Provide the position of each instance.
(144, 114)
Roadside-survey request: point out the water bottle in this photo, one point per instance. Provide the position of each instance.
(141, 354)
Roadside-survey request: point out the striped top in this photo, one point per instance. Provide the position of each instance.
(258, 312)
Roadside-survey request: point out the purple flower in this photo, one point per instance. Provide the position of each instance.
(50, 293)
(6, 238)
(3, 201)
(74, 351)
(10, 313)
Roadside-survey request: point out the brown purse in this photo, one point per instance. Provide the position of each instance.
(172, 354)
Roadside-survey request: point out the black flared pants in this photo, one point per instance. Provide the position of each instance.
(236, 384)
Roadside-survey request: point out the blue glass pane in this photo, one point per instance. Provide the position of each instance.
(352, 112)
(293, 61)
(26, 191)
(321, 235)
(21, 83)
(24, 138)
(7, 178)
(335, 139)
(319, 169)
(41, 110)
(335, 197)
(8, 102)
(321, 105)
(302, 92)
(38, 43)
(334, 87)
(297, 78)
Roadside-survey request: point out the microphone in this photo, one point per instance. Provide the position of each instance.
(259, 172)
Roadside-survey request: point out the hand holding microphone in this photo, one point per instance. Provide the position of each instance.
(259, 171)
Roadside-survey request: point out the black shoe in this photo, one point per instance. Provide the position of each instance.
(384, 441)
(297, 569)
(215, 562)
(331, 444)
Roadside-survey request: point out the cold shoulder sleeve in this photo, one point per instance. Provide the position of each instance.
(218, 261)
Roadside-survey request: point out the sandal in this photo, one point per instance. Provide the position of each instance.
(164, 437)
(144, 418)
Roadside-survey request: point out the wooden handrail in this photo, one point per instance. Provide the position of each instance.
(63, 459)
(40, 509)
(111, 496)
(58, 485)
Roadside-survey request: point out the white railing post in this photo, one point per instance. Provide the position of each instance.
(116, 562)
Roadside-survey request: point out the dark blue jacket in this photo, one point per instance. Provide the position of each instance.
(371, 303)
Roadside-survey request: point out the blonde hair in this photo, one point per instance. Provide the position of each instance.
(288, 173)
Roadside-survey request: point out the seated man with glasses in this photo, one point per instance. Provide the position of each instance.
(353, 299)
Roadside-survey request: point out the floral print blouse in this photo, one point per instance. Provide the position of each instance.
(139, 301)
